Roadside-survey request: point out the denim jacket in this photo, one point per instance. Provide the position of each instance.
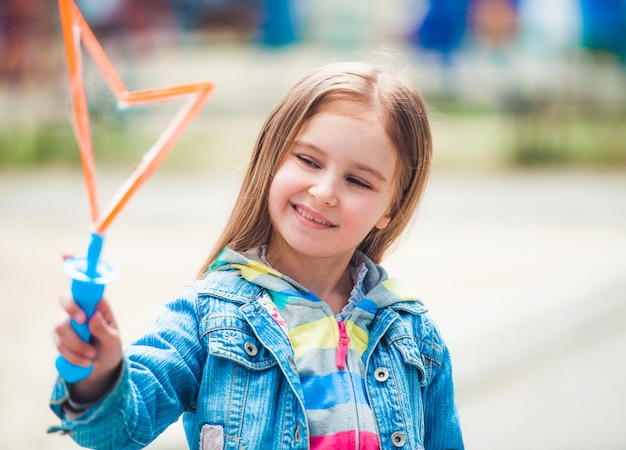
(216, 356)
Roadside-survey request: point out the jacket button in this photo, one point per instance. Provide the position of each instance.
(251, 349)
(398, 439)
(381, 374)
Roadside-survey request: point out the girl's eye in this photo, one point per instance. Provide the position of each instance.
(359, 183)
(308, 161)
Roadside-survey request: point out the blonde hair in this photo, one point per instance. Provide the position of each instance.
(403, 114)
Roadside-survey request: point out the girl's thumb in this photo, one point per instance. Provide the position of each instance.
(99, 326)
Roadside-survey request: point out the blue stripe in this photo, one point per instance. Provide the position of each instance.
(367, 305)
(323, 392)
(307, 295)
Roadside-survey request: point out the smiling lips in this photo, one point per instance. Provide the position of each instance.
(310, 216)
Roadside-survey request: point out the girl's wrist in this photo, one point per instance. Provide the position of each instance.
(88, 391)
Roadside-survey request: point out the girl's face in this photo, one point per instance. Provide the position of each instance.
(334, 185)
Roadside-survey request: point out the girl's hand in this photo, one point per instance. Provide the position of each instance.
(104, 351)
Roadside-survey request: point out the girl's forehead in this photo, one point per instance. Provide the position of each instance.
(349, 108)
(352, 111)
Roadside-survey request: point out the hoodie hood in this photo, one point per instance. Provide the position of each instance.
(372, 286)
(308, 321)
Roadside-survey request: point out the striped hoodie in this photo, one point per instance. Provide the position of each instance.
(328, 348)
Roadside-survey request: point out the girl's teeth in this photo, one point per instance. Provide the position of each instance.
(306, 216)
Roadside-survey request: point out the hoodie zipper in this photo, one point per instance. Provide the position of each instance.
(342, 361)
(342, 346)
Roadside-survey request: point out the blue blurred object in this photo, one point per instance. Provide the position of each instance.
(604, 26)
(444, 26)
(277, 23)
(100, 11)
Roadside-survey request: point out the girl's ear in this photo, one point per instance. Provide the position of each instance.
(383, 221)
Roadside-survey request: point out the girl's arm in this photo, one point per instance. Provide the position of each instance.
(441, 419)
(159, 380)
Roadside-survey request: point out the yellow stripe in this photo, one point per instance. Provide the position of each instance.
(398, 287)
(320, 334)
(253, 269)
(358, 337)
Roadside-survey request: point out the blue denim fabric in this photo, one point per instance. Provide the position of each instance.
(217, 357)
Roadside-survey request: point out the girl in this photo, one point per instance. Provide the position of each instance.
(292, 337)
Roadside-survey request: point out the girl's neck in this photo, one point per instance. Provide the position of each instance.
(328, 278)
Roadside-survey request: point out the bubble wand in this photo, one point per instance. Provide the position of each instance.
(89, 273)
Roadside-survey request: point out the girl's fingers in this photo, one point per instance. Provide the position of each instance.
(104, 351)
(72, 308)
(103, 327)
(71, 346)
(77, 359)
(106, 340)
(100, 327)
(105, 309)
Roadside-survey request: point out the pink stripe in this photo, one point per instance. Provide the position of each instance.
(345, 439)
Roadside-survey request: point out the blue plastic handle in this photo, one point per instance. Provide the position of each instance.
(89, 278)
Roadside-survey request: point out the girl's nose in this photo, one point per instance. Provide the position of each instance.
(324, 191)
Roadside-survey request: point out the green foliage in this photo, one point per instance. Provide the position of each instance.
(534, 136)
(49, 143)
(574, 138)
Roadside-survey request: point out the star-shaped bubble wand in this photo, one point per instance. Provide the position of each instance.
(89, 273)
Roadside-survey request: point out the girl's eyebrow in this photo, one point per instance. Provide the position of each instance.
(359, 166)
(372, 171)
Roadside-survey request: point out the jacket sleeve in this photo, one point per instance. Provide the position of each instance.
(441, 419)
(159, 380)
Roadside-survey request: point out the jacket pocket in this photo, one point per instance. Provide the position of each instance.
(411, 355)
(401, 337)
(239, 346)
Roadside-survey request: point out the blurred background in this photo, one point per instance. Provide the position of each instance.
(519, 248)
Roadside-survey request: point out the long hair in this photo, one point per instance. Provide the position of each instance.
(403, 114)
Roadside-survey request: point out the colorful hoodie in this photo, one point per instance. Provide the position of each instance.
(328, 349)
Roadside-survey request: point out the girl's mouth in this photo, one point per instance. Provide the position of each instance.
(312, 217)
